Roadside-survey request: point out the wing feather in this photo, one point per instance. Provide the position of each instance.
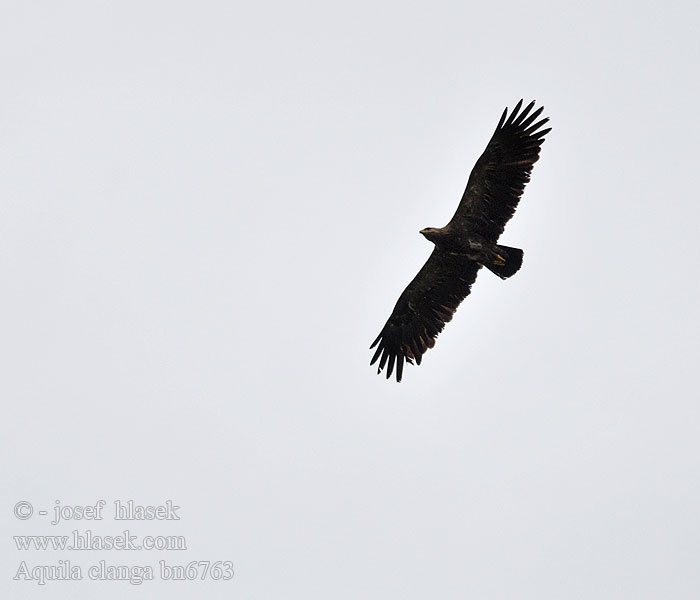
(422, 310)
(498, 178)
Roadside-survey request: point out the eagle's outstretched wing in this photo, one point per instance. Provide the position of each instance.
(422, 310)
(499, 176)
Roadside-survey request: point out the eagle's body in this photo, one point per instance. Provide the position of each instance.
(466, 243)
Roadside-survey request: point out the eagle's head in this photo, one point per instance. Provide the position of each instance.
(432, 233)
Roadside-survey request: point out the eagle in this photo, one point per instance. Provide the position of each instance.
(466, 243)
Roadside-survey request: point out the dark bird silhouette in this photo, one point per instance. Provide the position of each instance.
(466, 243)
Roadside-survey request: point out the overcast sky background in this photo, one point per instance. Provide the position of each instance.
(208, 212)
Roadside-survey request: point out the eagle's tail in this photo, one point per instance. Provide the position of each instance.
(505, 262)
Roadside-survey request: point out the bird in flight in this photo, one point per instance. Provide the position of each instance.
(466, 243)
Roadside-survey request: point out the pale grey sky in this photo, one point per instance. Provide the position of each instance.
(208, 211)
